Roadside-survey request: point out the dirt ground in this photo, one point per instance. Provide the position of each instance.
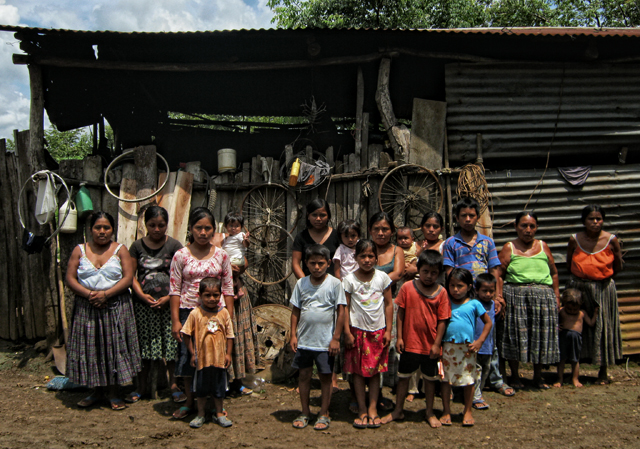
(590, 417)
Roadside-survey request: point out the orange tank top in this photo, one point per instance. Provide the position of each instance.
(593, 266)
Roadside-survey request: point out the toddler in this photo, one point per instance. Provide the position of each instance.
(571, 319)
(344, 260)
(405, 240)
(459, 348)
(235, 243)
(208, 333)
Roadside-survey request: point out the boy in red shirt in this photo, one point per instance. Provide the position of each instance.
(423, 311)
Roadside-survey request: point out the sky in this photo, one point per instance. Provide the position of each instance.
(114, 15)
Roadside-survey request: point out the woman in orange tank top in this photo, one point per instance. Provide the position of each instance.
(594, 257)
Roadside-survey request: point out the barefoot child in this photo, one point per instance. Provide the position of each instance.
(317, 320)
(423, 311)
(459, 348)
(571, 320)
(235, 243)
(208, 333)
(487, 359)
(344, 259)
(368, 321)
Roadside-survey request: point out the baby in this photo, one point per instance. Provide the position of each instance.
(405, 240)
(235, 243)
(570, 320)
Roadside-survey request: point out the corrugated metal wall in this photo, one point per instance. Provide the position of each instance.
(558, 206)
(515, 107)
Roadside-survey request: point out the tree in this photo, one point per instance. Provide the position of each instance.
(73, 144)
(454, 13)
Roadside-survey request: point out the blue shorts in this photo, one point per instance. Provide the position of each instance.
(211, 381)
(305, 358)
(183, 363)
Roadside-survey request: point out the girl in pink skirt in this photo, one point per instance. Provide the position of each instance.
(367, 330)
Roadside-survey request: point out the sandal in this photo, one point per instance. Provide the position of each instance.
(89, 401)
(182, 413)
(362, 424)
(197, 422)
(506, 390)
(117, 404)
(372, 422)
(245, 391)
(323, 421)
(304, 419)
(223, 421)
(179, 397)
(480, 405)
(133, 397)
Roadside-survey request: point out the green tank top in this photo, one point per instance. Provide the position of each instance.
(529, 270)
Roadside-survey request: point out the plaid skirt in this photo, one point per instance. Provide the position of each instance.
(602, 343)
(103, 344)
(245, 344)
(530, 324)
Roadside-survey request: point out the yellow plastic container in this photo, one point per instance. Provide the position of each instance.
(295, 172)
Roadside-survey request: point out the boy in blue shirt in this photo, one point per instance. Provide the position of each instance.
(317, 320)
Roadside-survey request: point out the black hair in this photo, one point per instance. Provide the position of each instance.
(525, 213)
(404, 228)
(382, 216)
(346, 226)
(464, 203)
(365, 244)
(233, 216)
(485, 278)
(430, 258)
(571, 296)
(154, 212)
(432, 214)
(210, 282)
(463, 275)
(198, 214)
(592, 208)
(101, 214)
(317, 250)
(313, 206)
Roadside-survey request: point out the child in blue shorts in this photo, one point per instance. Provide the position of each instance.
(317, 319)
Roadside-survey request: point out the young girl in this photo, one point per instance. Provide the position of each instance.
(367, 330)
(344, 259)
(235, 243)
(458, 354)
(431, 225)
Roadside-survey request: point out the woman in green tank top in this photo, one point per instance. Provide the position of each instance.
(531, 292)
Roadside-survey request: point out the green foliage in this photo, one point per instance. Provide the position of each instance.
(73, 144)
(454, 13)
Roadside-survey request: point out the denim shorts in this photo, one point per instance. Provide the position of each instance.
(305, 358)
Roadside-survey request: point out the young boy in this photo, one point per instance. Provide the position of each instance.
(317, 320)
(487, 359)
(571, 319)
(423, 312)
(405, 240)
(208, 333)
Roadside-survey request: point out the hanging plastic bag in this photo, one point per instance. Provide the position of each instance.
(46, 202)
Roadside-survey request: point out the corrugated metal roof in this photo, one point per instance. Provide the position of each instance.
(516, 105)
(558, 206)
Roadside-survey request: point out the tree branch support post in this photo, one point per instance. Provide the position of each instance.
(399, 135)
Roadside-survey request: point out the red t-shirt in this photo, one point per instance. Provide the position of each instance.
(421, 316)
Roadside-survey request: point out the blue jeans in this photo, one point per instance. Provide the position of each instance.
(488, 363)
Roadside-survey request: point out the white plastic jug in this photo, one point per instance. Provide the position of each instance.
(68, 225)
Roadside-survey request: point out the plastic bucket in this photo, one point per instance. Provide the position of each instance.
(68, 225)
(226, 160)
(84, 203)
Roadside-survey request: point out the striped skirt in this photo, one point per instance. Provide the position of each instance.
(245, 343)
(602, 343)
(530, 324)
(103, 344)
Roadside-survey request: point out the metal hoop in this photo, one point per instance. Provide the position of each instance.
(136, 200)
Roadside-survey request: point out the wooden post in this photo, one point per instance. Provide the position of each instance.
(291, 224)
(127, 217)
(449, 198)
(36, 119)
(398, 134)
(374, 181)
(427, 133)
(340, 212)
(331, 190)
(359, 106)
(145, 160)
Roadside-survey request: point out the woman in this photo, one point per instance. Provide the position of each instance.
(103, 344)
(151, 259)
(318, 231)
(532, 296)
(189, 266)
(594, 257)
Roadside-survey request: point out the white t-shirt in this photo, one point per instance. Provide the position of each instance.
(367, 301)
(347, 258)
(232, 244)
(318, 306)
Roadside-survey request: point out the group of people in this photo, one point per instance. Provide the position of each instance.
(189, 309)
(447, 313)
(381, 312)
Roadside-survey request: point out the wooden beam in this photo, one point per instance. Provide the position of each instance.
(399, 135)
(359, 107)
(36, 119)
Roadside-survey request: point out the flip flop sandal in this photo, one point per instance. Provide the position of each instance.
(117, 404)
(362, 424)
(88, 401)
(197, 422)
(245, 391)
(503, 390)
(322, 420)
(133, 397)
(179, 397)
(223, 421)
(304, 419)
(182, 413)
(480, 405)
(372, 422)
(542, 386)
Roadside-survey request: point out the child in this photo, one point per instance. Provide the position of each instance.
(317, 320)
(208, 333)
(344, 261)
(423, 311)
(458, 354)
(405, 240)
(368, 321)
(235, 243)
(570, 320)
(487, 359)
